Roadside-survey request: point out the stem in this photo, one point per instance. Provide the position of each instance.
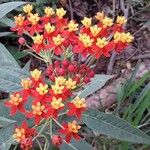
(63, 113)
(58, 123)
(39, 144)
(51, 131)
(35, 56)
(41, 130)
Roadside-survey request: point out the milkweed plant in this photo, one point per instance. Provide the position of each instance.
(59, 42)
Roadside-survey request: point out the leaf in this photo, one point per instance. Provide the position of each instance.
(10, 78)
(114, 127)
(7, 7)
(76, 145)
(27, 66)
(6, 133)
(96, 83)
(7, 22)
(6, 57)
(10, 72)
(5, 33)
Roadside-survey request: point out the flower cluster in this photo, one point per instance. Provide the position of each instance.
(54, 33)
(48, 101)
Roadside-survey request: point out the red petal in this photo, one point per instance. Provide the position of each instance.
(76, 136)
(68, 137)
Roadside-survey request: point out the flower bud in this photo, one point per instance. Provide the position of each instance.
(65, 62)
(26, 144)
(21, 41)
(86, 80)
(91, 74)
(71, 68)
(56, 140)
(61, 72)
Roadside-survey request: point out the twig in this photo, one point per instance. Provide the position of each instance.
(111, 63)
(141, 57)
(71, 11)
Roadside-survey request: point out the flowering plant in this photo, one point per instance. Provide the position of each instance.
(56, 91)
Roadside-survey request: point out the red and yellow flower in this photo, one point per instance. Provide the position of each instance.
(38, 112)
(16, 103)
(70, 129)
(76, 107)
(56, 105)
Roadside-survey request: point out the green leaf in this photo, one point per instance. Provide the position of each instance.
(10, 72)
(6, 57)
(5, 33)
(114, 127)
(96, 83)
(6, 133)
(7, 22)
(76, 145)
(7, 7)
(10, 78)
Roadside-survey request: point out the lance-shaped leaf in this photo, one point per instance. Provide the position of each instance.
(96, 83)
(7, 7)
(10, 72)
(114, 127)
(6, 131)
(76, 145)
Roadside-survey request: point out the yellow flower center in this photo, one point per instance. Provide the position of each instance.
(19, 134)
(26, 83)
(70, 84)
(27, 8)
(38, 39)
(72, 26)
(87, 22)
(79, 103)
(57, 89)
(57, 103)
(121, 20)
(101, 42)
(60, 80)
(107, 22)
(38, 109)
(36, 74)
(19, 20)
(49, 11)
(58, 40)
(42, 89)
(60, 12)
(99, 16)
(85, 39)
(123, 37)
(49, 28)
(73, 127)
(95, 30)
(34, 18)
(15, 99)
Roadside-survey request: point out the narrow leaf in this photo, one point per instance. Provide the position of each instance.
(96, 83)
(76, 145)
(114, 127)
(7, 7)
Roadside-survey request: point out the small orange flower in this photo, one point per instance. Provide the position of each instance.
(15, 103)
(38, 112)
(70, 130)
(76, 107)
(55, 106)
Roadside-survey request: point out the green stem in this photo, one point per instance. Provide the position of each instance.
(39, 144)
(51, 131)
(41, 129)
(58, 123)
